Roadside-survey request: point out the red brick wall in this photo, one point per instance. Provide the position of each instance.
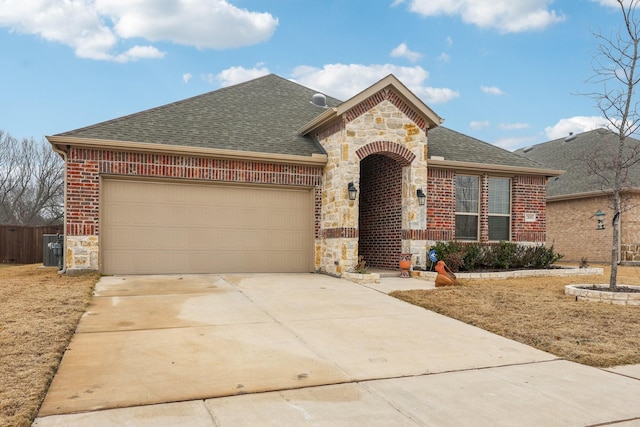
(84, 167)
(441, 204)
(380, 221)
(528, 196)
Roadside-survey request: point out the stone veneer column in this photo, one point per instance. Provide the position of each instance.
(382, 124)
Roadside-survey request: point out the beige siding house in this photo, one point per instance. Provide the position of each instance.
(577, 199)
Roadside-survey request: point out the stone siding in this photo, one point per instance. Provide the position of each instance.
(381, 126)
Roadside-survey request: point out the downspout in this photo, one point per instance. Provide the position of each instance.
(63, 154)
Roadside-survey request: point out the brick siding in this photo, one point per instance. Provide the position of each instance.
(572, 229)
(84, 167)
(441, 204)
(528, 196)
(380, 222)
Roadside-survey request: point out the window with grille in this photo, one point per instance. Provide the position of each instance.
(499, 209)
(467, 207)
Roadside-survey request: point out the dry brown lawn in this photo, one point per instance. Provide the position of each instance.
(536, 312)
(39, 311)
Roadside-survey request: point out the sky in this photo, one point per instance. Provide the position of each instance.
(510, 73)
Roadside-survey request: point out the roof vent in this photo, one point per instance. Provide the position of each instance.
(571, 137)
(319, 100)
(526, 150)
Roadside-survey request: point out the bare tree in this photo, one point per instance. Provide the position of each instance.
(31, 182)
(615, 67)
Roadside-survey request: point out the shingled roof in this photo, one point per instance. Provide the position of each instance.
(260, 115)
(455, 146)
(264, 115)
(570, 154)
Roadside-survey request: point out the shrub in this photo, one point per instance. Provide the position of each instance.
(502, 256)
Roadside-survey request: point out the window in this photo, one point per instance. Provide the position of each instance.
(499, 209)
(467, 192)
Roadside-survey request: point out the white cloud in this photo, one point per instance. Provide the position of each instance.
(397, 3)
(235, 75)
(186, 77)
(492, 90)
(139, 52)
(514, 126)
(444, 57)
(479, 124)
(449, 41)
(95, 28)
(507, 16)
(577, 124)
(343, 81)
(403, 51)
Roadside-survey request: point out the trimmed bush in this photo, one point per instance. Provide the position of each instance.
(494, 256)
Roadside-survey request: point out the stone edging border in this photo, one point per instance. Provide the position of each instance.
(556, 272)
(431, 275)
(618, 298)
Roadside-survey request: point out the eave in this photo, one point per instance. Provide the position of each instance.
(588, 194)
(484, 167)
(60, 143)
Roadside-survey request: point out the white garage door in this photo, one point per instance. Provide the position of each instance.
(167, 227)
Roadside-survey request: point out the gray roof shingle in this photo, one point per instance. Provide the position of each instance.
(263, 115)
(456, 146)
(570, 155)
(260, 115)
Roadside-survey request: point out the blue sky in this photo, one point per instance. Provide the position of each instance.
(506, 72)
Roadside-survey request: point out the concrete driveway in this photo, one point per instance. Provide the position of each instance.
(307, 349)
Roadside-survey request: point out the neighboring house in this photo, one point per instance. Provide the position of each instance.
(576, 199)
(264, 177)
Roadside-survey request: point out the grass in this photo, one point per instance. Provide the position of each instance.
(536, 312)
(39, 314)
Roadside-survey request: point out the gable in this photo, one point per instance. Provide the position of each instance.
(388, 89)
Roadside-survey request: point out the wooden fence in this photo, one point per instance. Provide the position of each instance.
(23, 244)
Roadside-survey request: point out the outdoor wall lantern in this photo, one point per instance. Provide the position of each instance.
(353, 192)
(422, 198)
(600, 218)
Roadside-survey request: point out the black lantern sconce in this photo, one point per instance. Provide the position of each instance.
(353, 192)
(600, 220)
(422, 198)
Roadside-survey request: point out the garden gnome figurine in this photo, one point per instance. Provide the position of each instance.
(445, 276)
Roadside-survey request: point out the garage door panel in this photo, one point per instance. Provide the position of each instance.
(168, 227)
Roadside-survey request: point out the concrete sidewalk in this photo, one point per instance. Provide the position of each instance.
(306, 349)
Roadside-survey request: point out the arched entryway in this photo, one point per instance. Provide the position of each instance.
(380, 202)
(380, 213)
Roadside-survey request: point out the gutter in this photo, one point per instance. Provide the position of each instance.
(472, 166)
(145, 147)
